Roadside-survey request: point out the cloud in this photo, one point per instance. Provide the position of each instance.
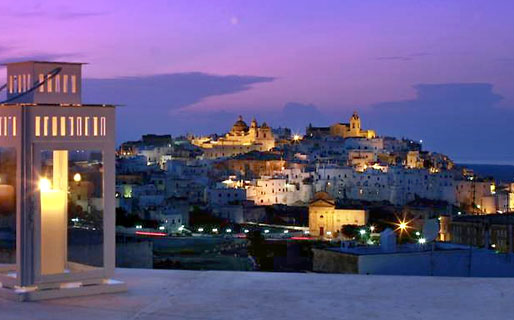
(155, 103)
(462, 120)
(393, 58)
(407, 57)
(54, 13)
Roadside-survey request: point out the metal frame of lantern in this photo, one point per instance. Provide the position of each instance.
(31, 128)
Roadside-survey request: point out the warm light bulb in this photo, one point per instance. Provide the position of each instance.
(45, 184)
(77, 177)
(403, 225)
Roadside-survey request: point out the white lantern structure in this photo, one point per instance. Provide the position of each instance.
(57, 185)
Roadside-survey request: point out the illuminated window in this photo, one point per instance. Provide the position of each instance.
(19, 83)
(65, 83)
(102, 126)
(95, 126)
(49, 87)
(73, 84)
(41, 79)
(72, 130)
(14, 126)
(11, 84)
(58, 83)
(37, 126)
(15, 82)
(54, 127)
(86, 126)
(63, 126)
(45, 126)
(29, 82)
(79, 126)
(23, 82)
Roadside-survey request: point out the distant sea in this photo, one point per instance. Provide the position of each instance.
(501, 173)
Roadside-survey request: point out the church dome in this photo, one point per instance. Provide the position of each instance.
(240, 125)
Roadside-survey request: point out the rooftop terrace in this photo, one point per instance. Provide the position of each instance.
(170, 294)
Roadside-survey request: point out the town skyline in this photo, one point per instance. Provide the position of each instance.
(288, 65)
(259, 159)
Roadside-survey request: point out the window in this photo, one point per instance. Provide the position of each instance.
(49, 86)
(8, 210)
(54, 126)
(19, 84)
(95, 126)
(11, 84)
(63, 126)
(38, 126)
(86, 126)
(15, 83)
(79, 126)
(41, 80)
(58, 83)
(72, 122)
(45, 126)
(73, 84)
(65, 83)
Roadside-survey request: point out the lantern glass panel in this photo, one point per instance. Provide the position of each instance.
(72, 211)
(8, 211)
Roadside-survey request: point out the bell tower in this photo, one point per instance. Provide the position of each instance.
(355, 124)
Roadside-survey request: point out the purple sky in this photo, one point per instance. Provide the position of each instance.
(441, 71)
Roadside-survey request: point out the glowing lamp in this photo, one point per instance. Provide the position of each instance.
(77, 177)
(60, 233)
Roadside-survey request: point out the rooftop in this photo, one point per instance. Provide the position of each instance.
(41, 62)
(173, 294)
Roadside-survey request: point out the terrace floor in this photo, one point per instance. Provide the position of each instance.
(173, 294)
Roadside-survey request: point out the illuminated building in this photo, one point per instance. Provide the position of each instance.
(345, 130)
(254, 163)
(327, 221)
(57, 181)
(240, 139)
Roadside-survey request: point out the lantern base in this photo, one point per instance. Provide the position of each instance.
(65, 291)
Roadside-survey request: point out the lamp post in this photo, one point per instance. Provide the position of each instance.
(47, 136)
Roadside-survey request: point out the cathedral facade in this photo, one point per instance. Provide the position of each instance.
(346, 130)
(240, 139)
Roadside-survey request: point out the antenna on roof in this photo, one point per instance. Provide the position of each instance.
(50, 75)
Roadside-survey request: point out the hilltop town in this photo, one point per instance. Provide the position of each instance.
(260, 175)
